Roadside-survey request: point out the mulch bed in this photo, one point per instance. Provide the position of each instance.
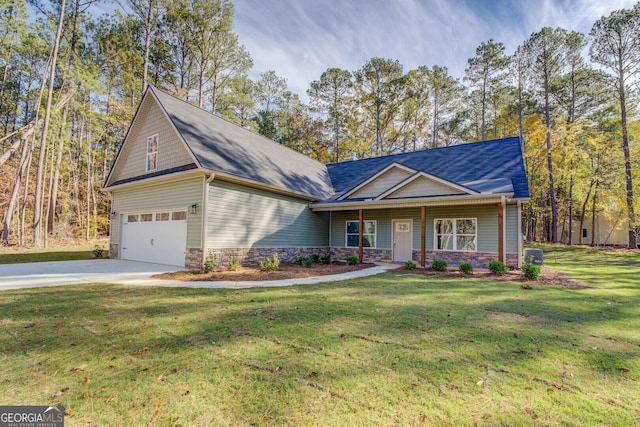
(547, 276)
(252, 274)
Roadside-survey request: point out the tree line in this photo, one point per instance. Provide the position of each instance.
(70, 83)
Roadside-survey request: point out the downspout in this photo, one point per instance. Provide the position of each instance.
(205, 217)
(519, 233)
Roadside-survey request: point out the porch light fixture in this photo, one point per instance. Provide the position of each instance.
(193, 208)
(114, 213)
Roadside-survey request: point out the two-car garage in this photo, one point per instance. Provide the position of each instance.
(158, 237)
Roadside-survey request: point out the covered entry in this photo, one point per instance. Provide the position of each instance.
(158, 237)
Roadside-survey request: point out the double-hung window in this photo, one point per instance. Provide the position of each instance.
(152, 153)
(456, 234)
(368, 234)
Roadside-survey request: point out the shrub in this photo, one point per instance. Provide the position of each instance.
(309, 262)
(497, 267)
(439, 265)
(410, 265)
(531, 271)
(315, 258)
(98, 252)
(211, 263)
(270, 264)
(234, 264)
(300, 260)
(353, 260)
(466, 268)
(326, 258)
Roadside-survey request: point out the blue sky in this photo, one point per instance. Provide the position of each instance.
(299, 39)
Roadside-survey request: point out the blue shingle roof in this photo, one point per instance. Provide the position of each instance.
(487, 167)
(220, 146)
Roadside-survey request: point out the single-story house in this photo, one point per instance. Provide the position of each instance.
(186, 183)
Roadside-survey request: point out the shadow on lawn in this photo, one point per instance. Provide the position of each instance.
(377, 306)
(444, 332)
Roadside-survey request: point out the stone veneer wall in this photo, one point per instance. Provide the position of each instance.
(193, 258)
(454, 259)
(253, 256)
(368, 255)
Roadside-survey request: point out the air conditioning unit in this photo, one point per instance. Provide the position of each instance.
(533, 256)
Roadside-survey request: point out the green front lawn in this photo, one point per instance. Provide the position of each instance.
(67, 252)
(392, 349)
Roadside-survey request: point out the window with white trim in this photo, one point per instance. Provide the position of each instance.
(152, 153)
(368, 234)
(456, 234)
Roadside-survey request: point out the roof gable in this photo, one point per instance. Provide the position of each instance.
(488, 167)
(150, 121)
(232, 151)
(379, 182)
(424, 185)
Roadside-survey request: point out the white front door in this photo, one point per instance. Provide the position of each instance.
(158, 237)
(402, 240)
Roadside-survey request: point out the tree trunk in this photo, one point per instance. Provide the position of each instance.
(6, 223)
(593, 218)
(627, 164)
(53, 196)
(25, 198)
(37, 211)
(552, 191)
(147, 47)
(584, 211)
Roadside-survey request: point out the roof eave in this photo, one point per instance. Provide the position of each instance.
(262, 186)
(161, 179)
(465, 199)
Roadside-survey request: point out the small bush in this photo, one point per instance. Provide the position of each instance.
(353, 260)
(315, 258)
(211, 263)
(531, 271)
(234, 264)
(497, 267)
(326, 258)
(439, 265)
(270, 264)
(300, 260)
(466, 268)
(410, 265)
(308, 263)
(98, 252)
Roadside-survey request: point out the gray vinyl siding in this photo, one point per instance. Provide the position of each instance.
(423, 187)
(242, 217)
(382, 183)
(486, 215)
(150, 121)
(177, 195)
(512, 229)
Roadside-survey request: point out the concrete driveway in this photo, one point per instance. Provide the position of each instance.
(121, 272)
(37, 274)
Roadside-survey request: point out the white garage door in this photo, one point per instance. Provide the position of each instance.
(159, 237)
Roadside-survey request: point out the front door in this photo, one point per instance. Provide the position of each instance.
(402, 240)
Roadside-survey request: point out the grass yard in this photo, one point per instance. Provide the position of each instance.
(393, 349)
(57, 252)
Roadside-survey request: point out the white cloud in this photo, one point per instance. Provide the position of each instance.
(300, 39)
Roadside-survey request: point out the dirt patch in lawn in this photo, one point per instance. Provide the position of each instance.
(547, 276)
(254, 274)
